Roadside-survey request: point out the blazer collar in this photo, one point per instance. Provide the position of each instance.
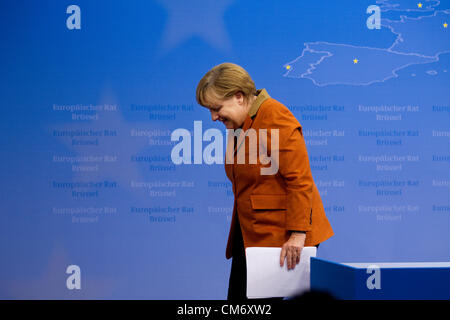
(262, 96)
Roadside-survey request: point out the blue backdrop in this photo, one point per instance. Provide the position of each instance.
(90, 94)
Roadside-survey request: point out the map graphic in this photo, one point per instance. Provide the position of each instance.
(419, 40)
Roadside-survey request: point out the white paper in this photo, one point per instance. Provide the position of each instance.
(265, 277)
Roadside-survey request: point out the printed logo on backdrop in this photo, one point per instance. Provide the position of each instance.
(100, 171)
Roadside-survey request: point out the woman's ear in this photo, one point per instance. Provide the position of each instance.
(239, 97)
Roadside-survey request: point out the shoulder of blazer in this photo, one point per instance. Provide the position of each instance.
(274, 114)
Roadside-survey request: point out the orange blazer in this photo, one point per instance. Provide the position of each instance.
(270, 206)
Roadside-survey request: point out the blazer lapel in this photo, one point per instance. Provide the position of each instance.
(247, 124)
(232, 151)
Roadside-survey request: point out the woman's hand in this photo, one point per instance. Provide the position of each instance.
(292, 249)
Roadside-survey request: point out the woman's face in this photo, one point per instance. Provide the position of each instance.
(232, 112)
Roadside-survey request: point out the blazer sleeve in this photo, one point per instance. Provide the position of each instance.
(296, 172)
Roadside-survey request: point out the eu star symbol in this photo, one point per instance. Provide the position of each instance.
(201, 18)
(445, 25)
(419, 5)
(355, 61)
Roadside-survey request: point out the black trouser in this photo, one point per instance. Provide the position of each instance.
(237, 288)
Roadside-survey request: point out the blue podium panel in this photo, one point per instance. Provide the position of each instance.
(367, 281)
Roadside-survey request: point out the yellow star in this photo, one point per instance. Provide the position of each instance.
(419, 5)
(355, 60)
(288, 67)
(445, 24)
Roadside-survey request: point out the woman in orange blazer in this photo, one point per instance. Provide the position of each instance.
(279, 209)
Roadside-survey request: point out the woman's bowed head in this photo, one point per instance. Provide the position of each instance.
(228, 91)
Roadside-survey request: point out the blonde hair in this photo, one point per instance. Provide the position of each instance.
(224, 81)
